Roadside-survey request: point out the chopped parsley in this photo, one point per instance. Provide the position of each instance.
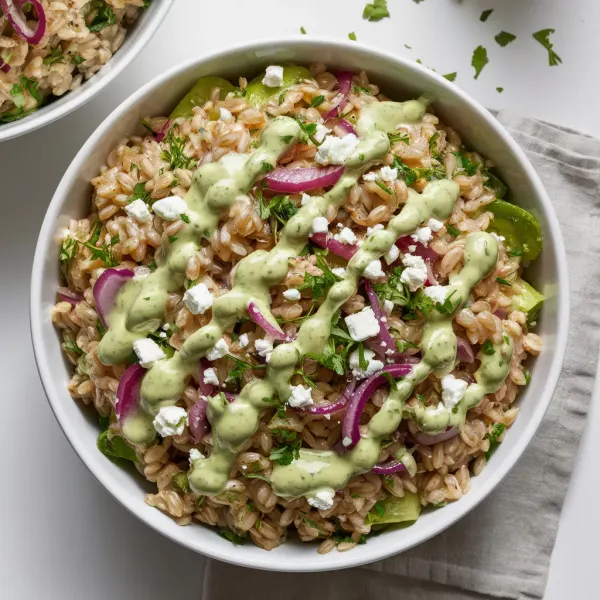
(352, 36)
(54, 56)
(376, 11)
(302, 31)
(479, 60)
(181, 483)
(410, 176)
(100, 15)
(256, 476)
(263, 207)
(503, 281)
(173, 239)
(543, 37)
(466, 164)
(241, 366)
(70, 346)
(488, 348)
(450, 76)
(384, 187)
(289, 448)
(317, 101)
(115, 447)
(343, 537)
(175, 155)
(485, 15)
(493, 435)
(499, 89)
(234, 538)
(527, 374)
(281, 210)
(18, 92)
(78, 59)
(308, 129)
(319, 284)
(379, 509)
(266, 167)
(453, 231)
(68, 251)
(504, 38)
(393, 289)
(398, 137)
(331, 358)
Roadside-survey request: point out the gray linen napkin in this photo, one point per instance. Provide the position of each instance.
(464, 562)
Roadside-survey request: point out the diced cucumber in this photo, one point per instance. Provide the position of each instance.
(395, 510)
(258, 94)
(529, 300)
(200, 94)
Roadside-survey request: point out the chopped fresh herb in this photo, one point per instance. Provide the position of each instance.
(99, 251)
(479, 60)
(331, 358)
(433, 145)
(281, 100)
(343, 537)
(317, 101)
(100, 328)
(421, 399)
(354, 495)
(453, 231)
(70, 346)
(376, 11)
(357, 90)
(309, 129)
(379, 509)
(388, 479)
(241, 366)
(184, 218)
(234, 538)
(18, 91)
(319, 284)
(175, 155)
(152, 266)
(527, 374)
(447, 307)
(543, 37)
(363, 363)
(307, 380)
(440, 504)
(361, 156)
(266, 167)
(485, 15)
(302, 31)
(278, 406)
(172, 239)
(140, 193)
(398, 137)
(286, 139)
(181, 483)
(289, 449)
(68, 251)
(100, 15)
(282, 209)
(499, 89)
(488, 348)
(410, 176)
(503, 281)
(493, 435)
(408, 47)
(384, 187)
(55, 56)
(352, 36)
(393, 383)
(115, 447)
(393, 289)
(263, 207)
(77, 59)
(466, 164)
(450, 76)
(115, 239)
(504, 38)
(256, 476)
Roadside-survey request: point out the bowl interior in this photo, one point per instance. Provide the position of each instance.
(401, 80)
(137, 37)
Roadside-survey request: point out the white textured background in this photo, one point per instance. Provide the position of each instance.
(61, 535)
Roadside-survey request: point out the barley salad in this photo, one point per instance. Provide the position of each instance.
(49, 48)
(299, 308)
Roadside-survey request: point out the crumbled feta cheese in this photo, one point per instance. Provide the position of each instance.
(346, 442)
(388, 307)
(346, 236)
(273, 76)
(195, 455)
(372, 365)
(300, 397)
(244, 341)
(499, 238)
(138, 210)
(373, 229)
(170, 208)
(335, 150)
(322, 499)
(141, 272)
(198, 299)
(339, 272)
(219, 350)
(162, 334)
(320, 225)
(210, 377)
(412, 248)
(170, 420)
(392, 255)
(362, 325)
(148, 352)
(370, 176)
(292, 294)
(440, 409)
(415, 274)
(437, 293)
(165, 327)
(453, 390)
(434, 225)
(320, 132)
(422, 235)
(374, 270)
(388, 174)
(264, 347)
(305, 199)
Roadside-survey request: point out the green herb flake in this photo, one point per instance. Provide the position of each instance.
(504, 38)
(503, 281)
(317, 101)
(54, 56)
(499, 89)
(115, 448)
(384, 187)
(172, 239)
(543, 37)
(376, 11)
(289, 450)
(352, 36)
(453, 231)
(450, 76)
(99, 16)
(496, 431)
(256, 476)
(488, 348)
(479, 60)
(184, 218)
(379, 509)
(68, 251)
(485, 15)
(231, 536)
(302, 31)
(393, 289)
(527, 374)
(175, 154)
(70, 346)
(398, 137)
(77, 59)
(181, 483)
(286, 139)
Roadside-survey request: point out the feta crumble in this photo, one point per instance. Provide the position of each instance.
(435, 225)
(373, 365)
(305, 199)
(346, 236)
(388, 174)
(141, 272)
(346, 442)
(273, 76)
(388, 307)
(373, 229)
(415, 273)
(320, 132)
(499, 238)
(370, 176)
(453, 390)
(320, 225)
(437, 293)
(292, 294)
(198, 299)
(300, 397)
(335, 150)
(322, 499)
(170, 208)
(339, 272)
(219, 350)
(244, 341)
(210, 377)
(170, 420)
(392, 255)
(195, 455)
(422, 235)
(138, 210)
(264, 347)
(148, 352)
(362, 325)
(374, 270)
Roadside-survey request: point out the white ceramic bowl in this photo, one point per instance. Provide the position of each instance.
(137, 37)
(400, 79)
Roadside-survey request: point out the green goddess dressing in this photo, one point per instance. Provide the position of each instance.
(140, 308)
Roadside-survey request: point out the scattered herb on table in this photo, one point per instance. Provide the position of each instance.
(504, 38)
(543, 37)
(485, 15)
(450, 76)
(352, 36)
(479, 60)
(376, 11)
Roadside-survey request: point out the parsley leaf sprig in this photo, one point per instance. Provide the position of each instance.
(543, 37)
(479, 60)
(288, 449)
(175, 154)
(376, 11)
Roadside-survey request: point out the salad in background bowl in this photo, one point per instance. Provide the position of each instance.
(299, 303)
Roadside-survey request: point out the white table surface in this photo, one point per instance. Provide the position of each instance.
(61, 534)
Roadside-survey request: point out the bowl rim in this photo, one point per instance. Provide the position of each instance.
(71, 101)
(396, 544)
